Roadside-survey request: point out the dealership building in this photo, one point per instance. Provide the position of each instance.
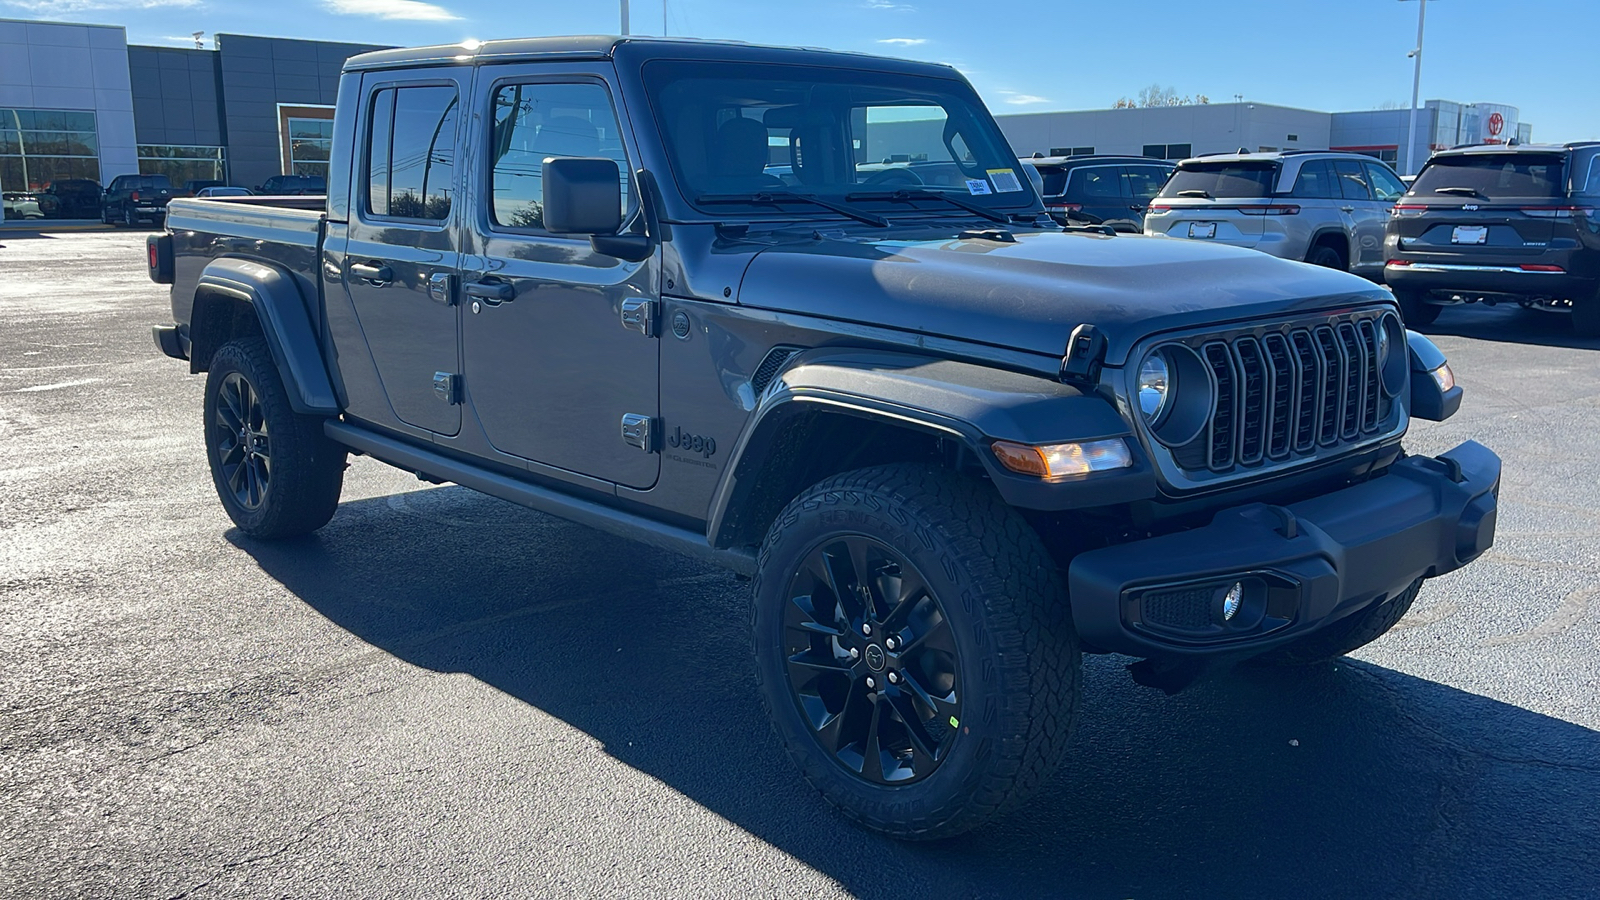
(1177, 132)
(78, 102)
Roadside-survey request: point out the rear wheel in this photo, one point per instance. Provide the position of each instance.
(1414, 310)
(1327, 257)
(275, 471)
(913, 649)
(1586, 316)
(128, 218)
(1346, 635)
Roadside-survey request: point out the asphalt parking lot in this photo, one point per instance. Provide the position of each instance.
(444, 695)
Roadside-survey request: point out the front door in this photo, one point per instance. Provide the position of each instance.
(402, 253)
(552, 367)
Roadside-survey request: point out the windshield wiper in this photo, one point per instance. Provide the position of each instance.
(1196, 192)
(907, 194)
(1471, 192)
(775, 197)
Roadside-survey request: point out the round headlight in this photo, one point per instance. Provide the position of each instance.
(1155, 379)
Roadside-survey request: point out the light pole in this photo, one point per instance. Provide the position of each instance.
(1416, 87)
(624, 18)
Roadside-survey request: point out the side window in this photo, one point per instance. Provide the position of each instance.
(1591, 185)
(534, 122)
(1314, 181)
(1352, 181)
(411, 152)
(1385, 186)
(1094, 184)
(1144, 182)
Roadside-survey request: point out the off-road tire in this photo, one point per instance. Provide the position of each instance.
(1349, 634)
(1327, 257)
(1019, 666)
(306, 469)
(1415, 311)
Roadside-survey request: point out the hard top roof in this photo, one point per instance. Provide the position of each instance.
(599, 47)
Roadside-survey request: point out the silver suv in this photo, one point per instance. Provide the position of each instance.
(1320, 206)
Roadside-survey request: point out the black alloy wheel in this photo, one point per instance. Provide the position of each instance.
(243, 441)
(872, 662)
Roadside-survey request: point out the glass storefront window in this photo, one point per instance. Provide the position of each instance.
(39, 147)
(182, 164)
(310, 141)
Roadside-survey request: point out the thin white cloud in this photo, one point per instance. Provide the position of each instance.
(1024, 99)
(904, 42)
(57, 8)
(412, 10)
(888, 4)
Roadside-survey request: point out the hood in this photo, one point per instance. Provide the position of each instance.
(1030, 295)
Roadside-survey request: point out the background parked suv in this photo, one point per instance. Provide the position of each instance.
(131, 199)
(1518, 224)
(1101, 190)
(293, 185)
(1323, 207)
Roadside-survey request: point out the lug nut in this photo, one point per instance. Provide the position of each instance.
(894, 678)
(854, 653)
(866, 629)
(890, 643)
(871, 683)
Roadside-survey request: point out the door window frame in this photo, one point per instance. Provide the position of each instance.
(484, 99)
(363, 166)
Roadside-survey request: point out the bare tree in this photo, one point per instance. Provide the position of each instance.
(1156, 95)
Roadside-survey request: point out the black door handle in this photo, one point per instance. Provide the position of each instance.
(492, 291)
(373, 273)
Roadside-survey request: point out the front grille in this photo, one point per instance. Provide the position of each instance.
(1287, 392)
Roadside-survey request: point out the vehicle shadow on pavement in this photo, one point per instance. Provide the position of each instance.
(1346, 781)
(1509, 324)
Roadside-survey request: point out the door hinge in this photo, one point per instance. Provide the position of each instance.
(640, 316)
(639, 431)
(448, 387)
(441, 288)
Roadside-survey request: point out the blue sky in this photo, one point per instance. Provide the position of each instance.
(1537, 55)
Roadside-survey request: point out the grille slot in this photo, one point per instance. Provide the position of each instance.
(1289, 391)
(1188, 609)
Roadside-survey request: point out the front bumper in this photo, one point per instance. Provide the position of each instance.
(1299, 567)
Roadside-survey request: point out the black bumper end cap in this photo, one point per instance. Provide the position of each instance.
(171, 340)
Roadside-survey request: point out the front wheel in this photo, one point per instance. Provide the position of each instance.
(1414, 310)
(914, 649)
(275, 471)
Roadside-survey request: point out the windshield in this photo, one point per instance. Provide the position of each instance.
(1492, 175)
(1222, 180)
(734, 129)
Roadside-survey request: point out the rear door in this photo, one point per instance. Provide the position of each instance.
(559, 340)
(1368, 215)
(1479, 206)
(402, 255)
(1141, 184)
(1097, 191)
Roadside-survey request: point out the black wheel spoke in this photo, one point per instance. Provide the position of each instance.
(872, 746)
(809, 620)
(940, 708)
(936, 637)
(916, 731)
(840, 576)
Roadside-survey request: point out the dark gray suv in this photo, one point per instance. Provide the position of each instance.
(1101, 190)
(1318, 206)
(1498, 224)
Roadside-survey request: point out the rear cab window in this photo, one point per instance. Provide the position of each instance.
(1234, 180)
(1492, 176)
(410, 163)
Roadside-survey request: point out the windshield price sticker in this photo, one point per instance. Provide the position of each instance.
(1005, 180)
(978, 186)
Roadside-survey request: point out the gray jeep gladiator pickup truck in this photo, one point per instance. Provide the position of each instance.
(672, 290)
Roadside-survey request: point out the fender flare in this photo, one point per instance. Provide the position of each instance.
(276, 299)
(970, 404)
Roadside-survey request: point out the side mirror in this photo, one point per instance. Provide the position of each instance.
(582, 195)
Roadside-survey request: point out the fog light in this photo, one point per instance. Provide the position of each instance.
(1231, 601)
(1063, 460)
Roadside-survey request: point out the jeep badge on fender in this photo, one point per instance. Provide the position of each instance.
(694, 443)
